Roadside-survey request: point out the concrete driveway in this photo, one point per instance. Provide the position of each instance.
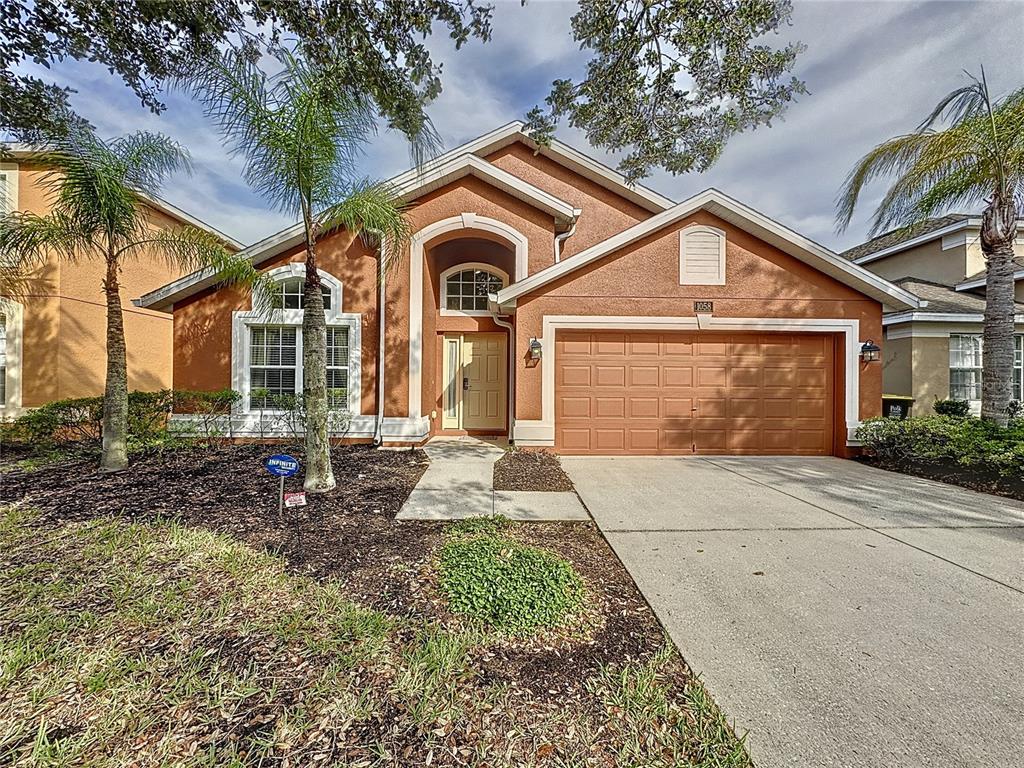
(844, 615)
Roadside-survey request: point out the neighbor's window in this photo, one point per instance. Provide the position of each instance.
(290, 295)
(3, 360)
(467, 290)
(965, 362)
(337, 366)
(273, 362)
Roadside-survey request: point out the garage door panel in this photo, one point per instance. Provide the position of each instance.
(684, 393)
(676, 376)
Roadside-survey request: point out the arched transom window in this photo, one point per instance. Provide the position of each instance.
(465, 287)
(290, 294)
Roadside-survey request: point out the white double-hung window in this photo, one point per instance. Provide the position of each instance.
(266, 350)
(966, 351)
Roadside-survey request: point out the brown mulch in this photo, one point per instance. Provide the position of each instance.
(350, 536)
(983, 479)
(530, 471)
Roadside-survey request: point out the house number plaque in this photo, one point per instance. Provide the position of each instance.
(703, 306)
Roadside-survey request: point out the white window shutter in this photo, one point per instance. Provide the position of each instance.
(701, 256)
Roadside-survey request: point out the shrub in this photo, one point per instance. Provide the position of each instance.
(508, 585)
(211, 409)
(62, 421)
(968, 441)
(958, 408)
(1015, 410)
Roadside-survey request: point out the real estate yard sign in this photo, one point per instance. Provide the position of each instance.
(282, 466)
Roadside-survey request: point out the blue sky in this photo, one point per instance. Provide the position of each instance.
(874, 70)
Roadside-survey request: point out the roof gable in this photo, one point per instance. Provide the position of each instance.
(744, 218)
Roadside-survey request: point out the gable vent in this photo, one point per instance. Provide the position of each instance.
(701, 256)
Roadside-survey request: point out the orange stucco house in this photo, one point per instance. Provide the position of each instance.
(53, 338)
(544, 299)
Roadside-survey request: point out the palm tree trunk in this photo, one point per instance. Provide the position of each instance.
(998, 231)
(319, 475)
(115, 394)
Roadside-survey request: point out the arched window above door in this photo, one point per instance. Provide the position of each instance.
(464, 288)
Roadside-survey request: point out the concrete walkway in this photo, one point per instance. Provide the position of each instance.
(844, 615)
(459, 483)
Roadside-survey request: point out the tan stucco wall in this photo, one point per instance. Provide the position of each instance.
(64, 343)
(897, 372)
(931, 371)
(926, 261)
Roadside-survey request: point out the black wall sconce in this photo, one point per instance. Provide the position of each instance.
(870, 352)
(536, 350)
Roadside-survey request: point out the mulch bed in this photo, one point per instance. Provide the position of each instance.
(948, 471)
(530, 471)
(351, 537)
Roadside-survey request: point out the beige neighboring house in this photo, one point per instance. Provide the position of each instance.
(52, 339)
(935, 352)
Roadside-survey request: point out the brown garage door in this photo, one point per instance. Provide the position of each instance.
(694, 392)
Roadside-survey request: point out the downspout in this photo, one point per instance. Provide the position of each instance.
(511, 370)
(559, 239)
(378, 428)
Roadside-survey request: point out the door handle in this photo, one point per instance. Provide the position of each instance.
(465, 383)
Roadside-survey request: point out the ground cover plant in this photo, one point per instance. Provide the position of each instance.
(961, 450)
(505, 584)
(165, 615)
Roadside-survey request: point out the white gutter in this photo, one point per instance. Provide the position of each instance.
(378, 435)
(939, 317)
(981, 282)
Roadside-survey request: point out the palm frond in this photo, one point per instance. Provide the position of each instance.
(374, 210)
(26, 239)
(191, 249)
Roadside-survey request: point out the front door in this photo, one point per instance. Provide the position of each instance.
(476, 383)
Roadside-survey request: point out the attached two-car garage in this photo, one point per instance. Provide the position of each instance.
(619, 392)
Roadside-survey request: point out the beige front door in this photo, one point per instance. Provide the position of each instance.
(476, 381)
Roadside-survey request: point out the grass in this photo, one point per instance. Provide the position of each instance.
(163, 645)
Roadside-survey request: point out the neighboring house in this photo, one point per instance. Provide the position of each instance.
(545, 299)
(935, 352)
(53, 338)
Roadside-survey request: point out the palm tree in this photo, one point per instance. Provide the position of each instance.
(98, 191)
(970, 150)
(299, 133)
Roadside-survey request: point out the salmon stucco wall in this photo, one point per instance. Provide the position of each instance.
(643, 280)
(202, 323)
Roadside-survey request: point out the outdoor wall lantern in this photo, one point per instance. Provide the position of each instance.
(536, 350)
(870, 352)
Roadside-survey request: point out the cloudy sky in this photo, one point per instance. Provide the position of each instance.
(874, 69)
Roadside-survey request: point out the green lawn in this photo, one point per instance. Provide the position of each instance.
(157, 645)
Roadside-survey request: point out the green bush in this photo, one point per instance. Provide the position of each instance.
(508, 585)
(960, 408)
(62, 421)
(969, 441)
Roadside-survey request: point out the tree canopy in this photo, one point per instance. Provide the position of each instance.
(148, 43)
(670, 81)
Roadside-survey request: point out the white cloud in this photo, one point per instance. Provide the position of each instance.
(873, 69)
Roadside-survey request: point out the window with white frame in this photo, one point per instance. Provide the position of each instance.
(273, 364)
(290, 294)
(966, 352)
(3, 360)
(466, 289)
(338, 354)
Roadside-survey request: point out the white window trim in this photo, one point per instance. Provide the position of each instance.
(14, 314)
(461, 268)
(976, 403)
(241, 321)
(10, 170)
(687, 279)
(542, 432)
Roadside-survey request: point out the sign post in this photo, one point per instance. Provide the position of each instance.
(282, 466)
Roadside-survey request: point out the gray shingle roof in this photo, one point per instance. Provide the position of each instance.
(942, 298)
(897, 236)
